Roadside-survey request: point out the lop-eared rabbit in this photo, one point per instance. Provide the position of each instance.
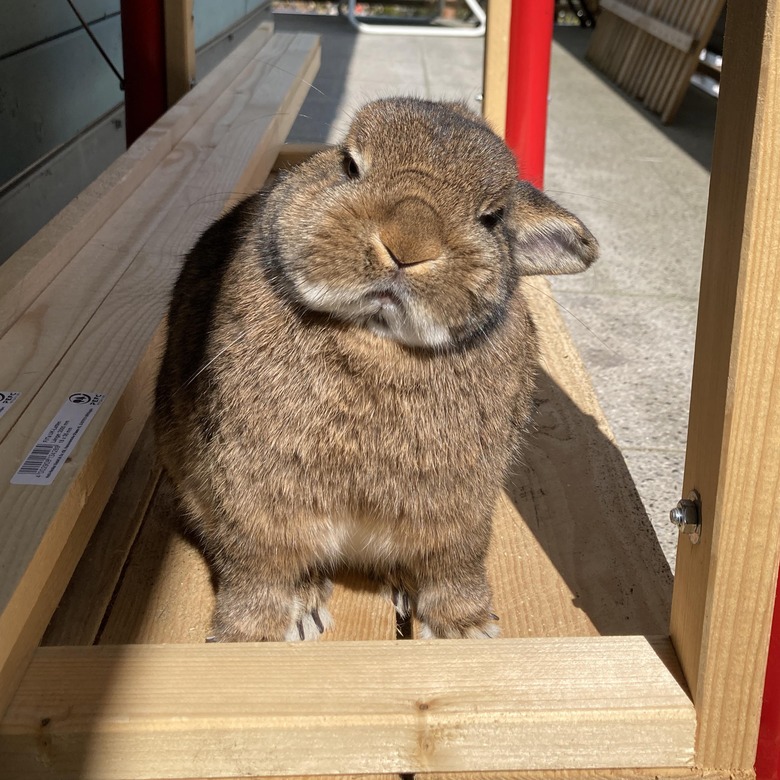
(350, 366)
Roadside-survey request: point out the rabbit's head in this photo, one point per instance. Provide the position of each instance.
(417, 227)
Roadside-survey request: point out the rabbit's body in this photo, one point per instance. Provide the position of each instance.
(315, 411)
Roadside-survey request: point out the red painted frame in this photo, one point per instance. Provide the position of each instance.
(768, 753)
(528, 80)
(143, 52)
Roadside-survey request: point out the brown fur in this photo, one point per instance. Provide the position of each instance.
(349, 358)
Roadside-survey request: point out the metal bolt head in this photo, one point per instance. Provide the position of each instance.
(686, 517)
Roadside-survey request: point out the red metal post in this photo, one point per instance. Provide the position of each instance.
(143, 53)
(768, 753)
(530, 41)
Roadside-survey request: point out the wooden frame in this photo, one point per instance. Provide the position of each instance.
(525, 705)
(179, 48)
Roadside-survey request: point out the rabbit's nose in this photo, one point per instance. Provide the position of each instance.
(403, 258)
(411, 235)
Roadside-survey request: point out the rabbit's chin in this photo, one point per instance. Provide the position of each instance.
(384, 312)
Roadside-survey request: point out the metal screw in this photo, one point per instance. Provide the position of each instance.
(687, 518)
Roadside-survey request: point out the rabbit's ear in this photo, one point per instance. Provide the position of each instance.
(549, 240)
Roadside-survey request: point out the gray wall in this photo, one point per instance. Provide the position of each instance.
(213, 17)
(53, 82)
(61, 109)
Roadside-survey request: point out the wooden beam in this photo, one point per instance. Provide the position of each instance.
(291, 155)
(179, 48)
(80, 612)
(496, 65)
(37, 522)
(724, 588)
(679, 39)
(347, 707)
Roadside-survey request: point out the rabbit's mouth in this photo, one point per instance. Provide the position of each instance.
(388, 310)
(385, 299)
(399, 318)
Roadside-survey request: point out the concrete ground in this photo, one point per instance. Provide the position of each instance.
(640, 187)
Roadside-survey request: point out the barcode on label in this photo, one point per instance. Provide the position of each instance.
(37, 459)
(50, 453)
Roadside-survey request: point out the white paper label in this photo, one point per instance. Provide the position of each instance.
(7, 398)
(45, 459)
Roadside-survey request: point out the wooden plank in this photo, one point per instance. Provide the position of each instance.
(690, 64)
(29, 270)
(165, 595)
(89, 592)
(725, 585)
(36, 522)
(291, 155)
(347, 707)
(655, 66)
(30, 600)
(626, 70)
(179, 48)
(495, 80)
(687, 15)
(679, 39)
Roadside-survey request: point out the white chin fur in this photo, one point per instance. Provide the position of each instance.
(411, 325)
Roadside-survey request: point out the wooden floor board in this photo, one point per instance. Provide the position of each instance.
(183, 711)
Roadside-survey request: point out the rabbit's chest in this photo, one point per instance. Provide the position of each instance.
(337, 425)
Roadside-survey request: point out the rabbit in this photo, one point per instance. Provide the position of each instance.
(350, 366)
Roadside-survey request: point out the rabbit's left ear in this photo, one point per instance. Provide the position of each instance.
(549, 240)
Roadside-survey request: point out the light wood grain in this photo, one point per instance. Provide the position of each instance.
(176, 201)
(677, 38)
(495, 78)
(280, 708)
(29, 270)
(688, 67)
(725, 585)
(580, 506)
(291, 155)
(179, 48)
(165, 595)
(37, 522)
(84, 603)
(44, 561)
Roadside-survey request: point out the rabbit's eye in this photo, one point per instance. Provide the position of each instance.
(491, 218)
(350, 166)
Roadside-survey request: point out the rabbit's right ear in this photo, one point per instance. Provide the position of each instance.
(549, 239)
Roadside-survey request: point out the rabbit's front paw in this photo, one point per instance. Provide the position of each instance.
(457, 609)
(487, 628)
(310, 625)
(265, 612)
